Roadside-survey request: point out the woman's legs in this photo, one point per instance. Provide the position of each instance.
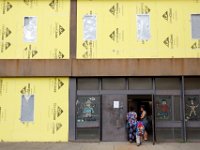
(145, 135)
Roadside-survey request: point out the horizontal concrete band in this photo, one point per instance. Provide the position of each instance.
(100, 67)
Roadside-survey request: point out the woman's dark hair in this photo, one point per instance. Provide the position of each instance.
(131, 108)
(142, 106)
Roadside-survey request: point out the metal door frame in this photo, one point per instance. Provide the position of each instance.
(153, 113)
(153, 110)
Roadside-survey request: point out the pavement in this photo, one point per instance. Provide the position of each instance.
(98, 146)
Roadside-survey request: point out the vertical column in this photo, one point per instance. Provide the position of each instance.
(183, 109)
(72, 109)
(73, 28)
(153, 111)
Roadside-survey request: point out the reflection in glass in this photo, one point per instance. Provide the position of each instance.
(88, 117)
(192, 108)
(163, 105)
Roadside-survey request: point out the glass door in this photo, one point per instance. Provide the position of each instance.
(192, 108)
(168, 118)
(192, 117)
(168, 110)
(88, 118)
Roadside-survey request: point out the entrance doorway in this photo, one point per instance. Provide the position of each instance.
(135, 102)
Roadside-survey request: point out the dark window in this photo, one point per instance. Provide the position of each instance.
(167, 83)
(114, 84)
(140, 83)
(88, 84)
(192, 83)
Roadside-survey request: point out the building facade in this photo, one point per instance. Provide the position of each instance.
(71, 70)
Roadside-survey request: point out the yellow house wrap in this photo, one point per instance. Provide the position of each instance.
(34, 109)
(136, 29)
(34, 29)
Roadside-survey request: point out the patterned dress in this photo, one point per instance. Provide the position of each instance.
(131, 125)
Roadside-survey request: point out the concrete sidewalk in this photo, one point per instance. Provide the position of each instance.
(99, 146)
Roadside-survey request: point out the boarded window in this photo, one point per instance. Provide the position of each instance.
(30, 29)
(143, 27)
(195, 22)
(89, 27)
(27, 108)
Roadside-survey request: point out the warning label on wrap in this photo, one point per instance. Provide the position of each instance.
(5, 32)
(89, 47)
(196, 45)
(2, 114)
(56, 84)
(56, 5)
(5, 6)
(57, 54)
(143, 9)
(117, 35)
(117, 10)
(55, 112)
(171, 41)
(30, 51)
(1, 87)
(27, 89)
(4, 46)
(58, 30)
(170, 15)
(30, 3)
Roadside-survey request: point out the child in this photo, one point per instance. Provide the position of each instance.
(140, 129)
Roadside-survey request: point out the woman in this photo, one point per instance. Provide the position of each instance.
(131, 125)
(143, 118)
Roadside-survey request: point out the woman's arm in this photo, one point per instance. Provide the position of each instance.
(143, 114)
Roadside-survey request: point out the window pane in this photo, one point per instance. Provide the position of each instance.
(193, 134)
(163, 108)
(177, 114)
(114, 84)
(192, 108)
(192, 83)
(168, 134)
(143, 27)
(89, 27)
(167, 83)
(195, 22)
(88, 84)
(167, 113)
(30, 29)
(88, 117)
(140, 83)
(192, 114)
